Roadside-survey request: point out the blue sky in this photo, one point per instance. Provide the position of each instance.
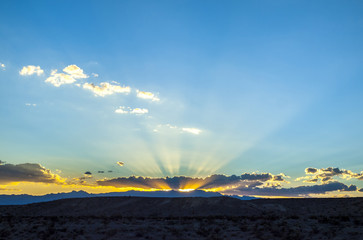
(243, 86)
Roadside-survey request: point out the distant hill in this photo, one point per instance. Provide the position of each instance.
(27, 199)
(242, 197)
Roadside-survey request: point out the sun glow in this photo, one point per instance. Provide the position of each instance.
(186, 190)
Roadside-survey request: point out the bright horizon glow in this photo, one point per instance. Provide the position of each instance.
(186, 190)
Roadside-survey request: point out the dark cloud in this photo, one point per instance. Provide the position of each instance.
(27, 172)
(109, 171)
(182, 182)
(264, 184)
(351, 188)
(88, 173)
(2, 162)
(143, 182)
(311, 170)
(326, 174)
(278, 178)
(360, 190)
(314, 180)
(255, 176)
(101, 171)
(295, 191)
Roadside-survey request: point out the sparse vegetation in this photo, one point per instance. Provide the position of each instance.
(292, 224)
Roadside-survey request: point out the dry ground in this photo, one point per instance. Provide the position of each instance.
(263, 219)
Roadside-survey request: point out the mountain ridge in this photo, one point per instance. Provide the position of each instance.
(23, 199)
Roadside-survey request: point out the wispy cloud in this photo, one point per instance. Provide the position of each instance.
(128, 110)
(31, 104)
(147, 95)
(176, 129)
(106, 88)
(195, 131)
(30, 70)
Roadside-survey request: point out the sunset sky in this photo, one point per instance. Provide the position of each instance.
(261, 98)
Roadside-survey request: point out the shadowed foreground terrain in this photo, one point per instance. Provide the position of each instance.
(184, 218)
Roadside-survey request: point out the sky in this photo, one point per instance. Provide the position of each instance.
(260, 98)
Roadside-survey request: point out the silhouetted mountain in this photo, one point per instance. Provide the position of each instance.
(242, 197)
(27, 199)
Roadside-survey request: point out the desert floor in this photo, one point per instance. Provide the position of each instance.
(270, 227)
(184, 218)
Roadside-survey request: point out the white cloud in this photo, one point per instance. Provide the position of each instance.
(58, 79)
(106, 88)
(121, 110)
(195, 131)
(31, 104)
(147, 95)
(75, 71)
(2, 66)
(128, 110)
(95, 75)
(176, 129)
(139, 111)
(72, 73)
(30, 70)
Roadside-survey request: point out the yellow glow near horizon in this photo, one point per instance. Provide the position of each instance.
(43, 188)
(186, 190)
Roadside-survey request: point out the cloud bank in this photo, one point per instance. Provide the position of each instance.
(258, 184)
(181, 182)
(27, 172)
(325, 175)
(292, 192)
